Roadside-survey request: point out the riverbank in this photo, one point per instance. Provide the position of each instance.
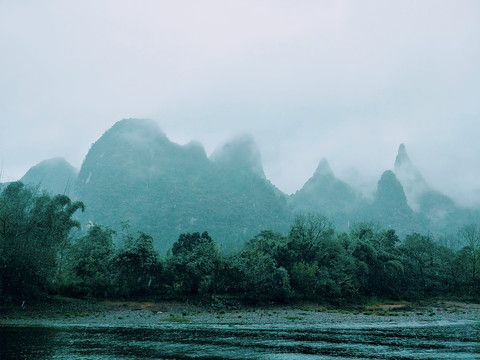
(66, 311)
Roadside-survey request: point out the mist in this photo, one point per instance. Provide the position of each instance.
(340, 80)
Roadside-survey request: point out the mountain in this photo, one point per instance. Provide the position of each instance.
(390, 207)
(435, 206)
(325, 194)
(411, 179)
(240, 154)
(421, 196)
(135, 173)
(55, 175)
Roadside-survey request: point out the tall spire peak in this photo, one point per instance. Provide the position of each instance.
(402, 156)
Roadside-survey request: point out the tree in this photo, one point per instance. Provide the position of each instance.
(470, 235)
(426, 265)
(307, 235)
(33, 227)
(194, 263)
(137, 266)
(379, 269)
(258, 277)
(90, 260)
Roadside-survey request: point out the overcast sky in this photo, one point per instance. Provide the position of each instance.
(344, 80)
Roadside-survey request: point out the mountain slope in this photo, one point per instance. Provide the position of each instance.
(434, 205)
(55, 175)
(135, 173)
(325, 194)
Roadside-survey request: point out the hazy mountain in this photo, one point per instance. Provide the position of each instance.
(55, 175)
(390, 195)
(413, 182)
(390, 207)
(135, 173)
(240, 154)
(325, 194)
(420, 195)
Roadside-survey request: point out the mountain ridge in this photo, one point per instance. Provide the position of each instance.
(134, 173)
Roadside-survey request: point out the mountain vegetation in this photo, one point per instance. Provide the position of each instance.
(40, 257)
(133, 174)
(145, 216)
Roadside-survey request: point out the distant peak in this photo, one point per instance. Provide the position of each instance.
(54, 163)
(323, 168)
(137, 132)
(241, 151)
(146, 126)
(402, 156)
(390, 190)
(388, 176)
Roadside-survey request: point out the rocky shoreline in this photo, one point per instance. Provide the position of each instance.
(74, 312)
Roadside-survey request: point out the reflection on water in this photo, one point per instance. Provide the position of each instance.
(192, 341)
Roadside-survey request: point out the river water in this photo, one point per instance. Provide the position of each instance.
(409, 340)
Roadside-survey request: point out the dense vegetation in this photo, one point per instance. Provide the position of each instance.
(41, 254)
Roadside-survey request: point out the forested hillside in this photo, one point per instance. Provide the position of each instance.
(41, 256)
(134, 175)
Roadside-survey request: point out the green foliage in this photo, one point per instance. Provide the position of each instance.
(137, 266)
(38, 255)
(33, 229)
(307, 235)
(194, 263)
(377, 260)
(426, 265)
(304, 278)
(258, 278)
(90, 261)
(470, 257)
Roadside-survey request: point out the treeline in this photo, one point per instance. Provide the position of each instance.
(40, 256)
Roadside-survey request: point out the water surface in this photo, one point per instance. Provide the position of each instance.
(434, 340)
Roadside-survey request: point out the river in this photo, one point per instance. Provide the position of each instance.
(381, 340)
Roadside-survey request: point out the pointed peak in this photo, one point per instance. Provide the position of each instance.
(402, 156)
(323, 168)
(389, 189)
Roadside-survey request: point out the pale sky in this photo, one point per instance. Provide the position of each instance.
(344, 80)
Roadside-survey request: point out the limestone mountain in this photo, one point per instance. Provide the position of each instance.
(324, 193)
(55, 175)
(240, 154)
(135, 173)
(390, 195)
(421, 197)
(390, 207)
